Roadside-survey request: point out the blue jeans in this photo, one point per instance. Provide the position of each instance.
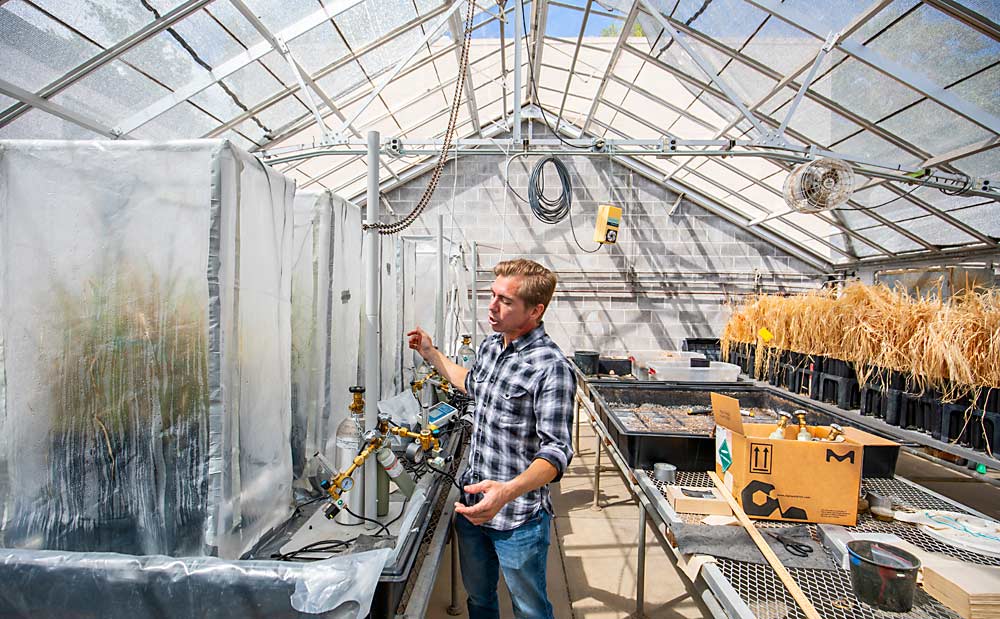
(520, 553)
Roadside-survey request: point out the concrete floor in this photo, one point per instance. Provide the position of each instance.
(592, 558)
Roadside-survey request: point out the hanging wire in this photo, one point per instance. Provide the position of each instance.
(923, 183)
(449, 136)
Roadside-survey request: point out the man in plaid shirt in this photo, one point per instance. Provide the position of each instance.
(524, 390)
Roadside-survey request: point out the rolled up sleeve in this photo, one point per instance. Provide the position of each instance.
(553, 405)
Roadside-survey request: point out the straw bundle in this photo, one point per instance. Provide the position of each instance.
(952, 346)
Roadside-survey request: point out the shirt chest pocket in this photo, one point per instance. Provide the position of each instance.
(514, 403)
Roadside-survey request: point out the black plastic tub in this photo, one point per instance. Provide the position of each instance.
(696, 452)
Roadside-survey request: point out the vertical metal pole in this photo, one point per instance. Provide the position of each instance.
(371, 379)
(518, 40)
(453, 608)
(597, 472)
(475, 296)
(439, 306)
(640, 569)
(577, 410)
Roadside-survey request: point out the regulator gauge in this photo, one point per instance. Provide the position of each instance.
(346, 484)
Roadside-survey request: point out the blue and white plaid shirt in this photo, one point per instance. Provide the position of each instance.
(524, 410)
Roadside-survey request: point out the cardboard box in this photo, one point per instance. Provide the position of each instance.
(697, 501)
(786, 479)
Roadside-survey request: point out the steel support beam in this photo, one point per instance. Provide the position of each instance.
(572, 64)
(612, 61)
(231, 66)
(891, 68)
(705, 66)
(457, 29)
(327, 70)
(301, 74)
(32, 100)
(518, 43)
(539, 19)
(400, 65)
(967, 16)
(81, 71)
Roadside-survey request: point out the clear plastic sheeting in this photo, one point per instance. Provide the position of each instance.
(45, 584)
(145, 320)
(311, 286)
(345, 320)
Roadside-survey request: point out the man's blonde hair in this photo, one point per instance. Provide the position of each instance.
(538, 284)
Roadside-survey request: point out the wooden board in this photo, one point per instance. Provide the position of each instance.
(972, 591)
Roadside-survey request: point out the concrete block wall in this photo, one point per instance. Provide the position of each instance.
(613, 300)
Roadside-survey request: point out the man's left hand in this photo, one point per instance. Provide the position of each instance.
(495, 495)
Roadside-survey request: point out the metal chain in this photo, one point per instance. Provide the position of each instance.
(399, 226)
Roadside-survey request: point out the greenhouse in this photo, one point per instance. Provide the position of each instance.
(533, 308)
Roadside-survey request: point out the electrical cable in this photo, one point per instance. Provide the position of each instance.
(382, 527)
(923, 183)
(553, 210)
(534, 88)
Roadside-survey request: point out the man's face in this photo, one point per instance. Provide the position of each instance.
(508, 313)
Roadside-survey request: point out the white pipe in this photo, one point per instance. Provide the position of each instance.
(475, 296)
(372, 384)
(439, 334)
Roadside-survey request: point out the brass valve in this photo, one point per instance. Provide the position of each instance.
(358, 403)
(783, 420)
(836, 434)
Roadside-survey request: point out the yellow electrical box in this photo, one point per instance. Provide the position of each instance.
(608, 219)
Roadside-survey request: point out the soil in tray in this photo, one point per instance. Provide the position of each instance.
(678, 419)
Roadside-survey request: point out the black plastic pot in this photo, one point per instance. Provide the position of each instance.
(587, 360)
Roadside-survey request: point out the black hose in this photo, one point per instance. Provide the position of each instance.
(549, 210)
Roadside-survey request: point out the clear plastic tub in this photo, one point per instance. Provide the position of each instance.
(717, 372)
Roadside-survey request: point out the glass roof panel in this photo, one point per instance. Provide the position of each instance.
(233, 21)
(373, 18)
(984, 217)
(207, 39)
(937, 46)
(36, 50)
(318, 47)
(985, 164)
(164, 126)
(818, 123)
(103, 21)
(276, 64)
(35, 124)
(781, 46)
(982, 89)
(252, 84)
(278, 15)
(883, 18)
(833, 14)
(392, 51)
(342, 80)
(217, 102)
(749, 83)
(164, 59)
(111, 93)
(852, 83)
(290, 109)
(889, 239)
(931, 229)
(934, 128)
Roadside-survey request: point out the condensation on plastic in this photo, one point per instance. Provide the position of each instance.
(43, 584)
(311, 288)
(144, 410)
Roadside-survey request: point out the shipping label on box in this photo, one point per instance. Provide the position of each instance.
(785, 479)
